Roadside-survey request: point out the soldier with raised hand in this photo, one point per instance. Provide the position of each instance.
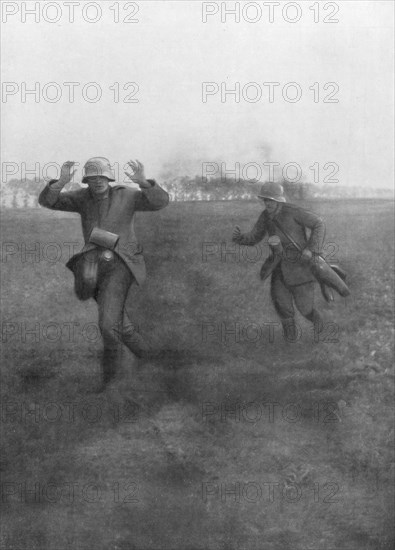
(292, 281)
(111, 259)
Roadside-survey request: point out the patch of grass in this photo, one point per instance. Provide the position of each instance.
(217, 406)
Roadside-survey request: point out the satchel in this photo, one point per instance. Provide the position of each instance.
(85, 274)
(326, 274)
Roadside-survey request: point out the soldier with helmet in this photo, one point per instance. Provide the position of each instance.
(111, 259)
(292, 281)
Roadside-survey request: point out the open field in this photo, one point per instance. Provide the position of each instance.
(232, 438)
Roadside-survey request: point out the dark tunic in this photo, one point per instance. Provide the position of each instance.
(294, 220)
(113, 213)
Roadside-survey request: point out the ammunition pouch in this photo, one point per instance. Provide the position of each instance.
(103, 238)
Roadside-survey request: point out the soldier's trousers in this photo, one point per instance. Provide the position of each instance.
(284, 296)
(114, 282)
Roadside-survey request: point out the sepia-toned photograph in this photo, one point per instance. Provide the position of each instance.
(197, 275)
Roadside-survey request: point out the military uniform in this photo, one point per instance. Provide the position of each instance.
(292, 280)
(113, 212)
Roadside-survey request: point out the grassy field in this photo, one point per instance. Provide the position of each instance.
(232, 438)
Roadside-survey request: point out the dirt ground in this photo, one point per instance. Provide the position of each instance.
(231, 438)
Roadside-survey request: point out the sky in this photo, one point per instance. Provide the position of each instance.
(340, 130)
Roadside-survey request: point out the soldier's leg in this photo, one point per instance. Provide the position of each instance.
(282, 301)
(128, 333)
(132, 338)
(113, 288)
(304, 301)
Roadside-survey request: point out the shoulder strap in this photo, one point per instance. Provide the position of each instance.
(290, 239)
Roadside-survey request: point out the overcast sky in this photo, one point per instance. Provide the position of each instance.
(169, 53)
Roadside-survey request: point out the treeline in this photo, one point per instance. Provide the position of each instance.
(186, 188)
(198, 188)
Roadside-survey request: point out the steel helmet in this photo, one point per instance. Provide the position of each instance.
(273, 191)
(98, 166)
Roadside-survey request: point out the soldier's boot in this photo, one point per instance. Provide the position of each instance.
(315, 317)
(112, 353)
(290, 330)
(108, 374)
(111, 363)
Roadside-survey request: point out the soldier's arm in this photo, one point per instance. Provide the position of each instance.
(51, 197)
(151, 198)
(255, 235)
(317, 227)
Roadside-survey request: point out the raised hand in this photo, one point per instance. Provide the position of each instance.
(66, 173)
(138, 175)
(236, 233)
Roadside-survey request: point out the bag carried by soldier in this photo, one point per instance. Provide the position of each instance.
(87, 266)
(329, 276)
(85, 274)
